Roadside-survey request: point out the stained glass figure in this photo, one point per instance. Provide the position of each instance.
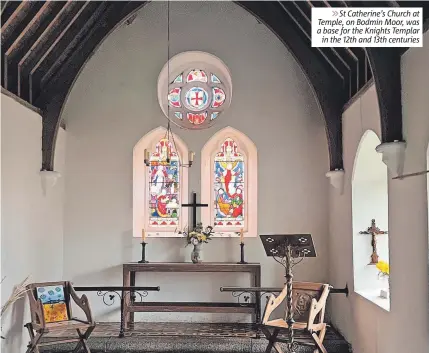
(229, 186)
(164, 185)
(196, 75)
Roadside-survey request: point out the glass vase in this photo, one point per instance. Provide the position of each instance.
(385, 287)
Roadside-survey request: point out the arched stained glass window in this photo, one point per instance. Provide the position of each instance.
(164, 186)
(159, 185)
(229, 186)
(229, 183)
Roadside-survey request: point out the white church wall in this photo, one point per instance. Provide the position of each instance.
(32, 224)
(370, 328)
(114, 103)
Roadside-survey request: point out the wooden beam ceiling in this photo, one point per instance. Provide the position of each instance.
(45, 45)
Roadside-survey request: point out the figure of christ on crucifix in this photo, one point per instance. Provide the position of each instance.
(194, 205)
(374, 231)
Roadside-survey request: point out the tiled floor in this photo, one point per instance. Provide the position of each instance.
(187, 338)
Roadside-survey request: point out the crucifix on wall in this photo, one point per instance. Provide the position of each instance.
(374, 231)
(194, 205)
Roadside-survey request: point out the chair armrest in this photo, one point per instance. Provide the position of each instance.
(40, 313)
(317, 306)
(83, 303)
(272, 304)
(36, 310)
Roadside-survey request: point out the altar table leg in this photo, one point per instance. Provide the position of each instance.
(257, 283)
(122, 324)
(125, 314)
(133, 298)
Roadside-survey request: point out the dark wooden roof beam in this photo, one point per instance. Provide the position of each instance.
(336, 51)
(323, 51)
(326, 87)
(66, 44)
(31, 28)
(17, 22)
(54, 95)
(24, 41)
(42, 43)
(7, 8)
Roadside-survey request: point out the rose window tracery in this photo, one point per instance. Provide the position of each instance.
(198, 94)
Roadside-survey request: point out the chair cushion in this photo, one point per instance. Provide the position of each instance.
(54, 303)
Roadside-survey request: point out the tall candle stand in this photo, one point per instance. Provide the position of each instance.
(143, 260)
(242, 254)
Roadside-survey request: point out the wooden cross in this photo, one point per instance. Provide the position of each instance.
(373, 230)
(194, 206)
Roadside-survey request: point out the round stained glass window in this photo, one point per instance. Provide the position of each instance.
(194, 89)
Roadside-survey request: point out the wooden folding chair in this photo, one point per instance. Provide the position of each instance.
(50, 305)
(308, 307)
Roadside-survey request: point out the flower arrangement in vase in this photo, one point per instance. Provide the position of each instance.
(384, 272)
(197, 237)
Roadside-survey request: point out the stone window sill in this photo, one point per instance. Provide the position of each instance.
(373, 295)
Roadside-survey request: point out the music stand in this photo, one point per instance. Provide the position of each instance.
(288, 247)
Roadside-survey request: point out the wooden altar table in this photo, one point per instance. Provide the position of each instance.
(131, 306)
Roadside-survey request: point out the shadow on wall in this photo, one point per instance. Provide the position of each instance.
(14, 335)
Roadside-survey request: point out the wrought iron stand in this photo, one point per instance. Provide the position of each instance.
(110, 293)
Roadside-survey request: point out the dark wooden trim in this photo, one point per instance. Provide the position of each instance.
(386, 69)
(359, 94)
(190, 267)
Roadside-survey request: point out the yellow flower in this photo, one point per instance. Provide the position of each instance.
(383, 267)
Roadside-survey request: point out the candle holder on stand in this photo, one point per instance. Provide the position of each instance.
(143, 260)
(242, 254)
